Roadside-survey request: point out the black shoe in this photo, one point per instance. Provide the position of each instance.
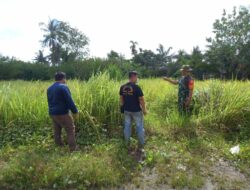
(77, 149)
(130, 150)
(140, 154)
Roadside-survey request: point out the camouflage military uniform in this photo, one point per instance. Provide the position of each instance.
(185, 86)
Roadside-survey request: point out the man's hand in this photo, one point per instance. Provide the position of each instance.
(170, 80)
(75, 116)
(166, 78)
(122, 109)
(145, 112)
(187, 102)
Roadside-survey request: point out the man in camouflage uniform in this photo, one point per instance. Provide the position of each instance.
(186, 86)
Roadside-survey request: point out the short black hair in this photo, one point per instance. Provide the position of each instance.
(60, 76)
(132, 73)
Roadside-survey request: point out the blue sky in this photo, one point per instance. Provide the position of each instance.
(111, 24)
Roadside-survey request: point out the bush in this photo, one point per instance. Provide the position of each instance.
(83, 70)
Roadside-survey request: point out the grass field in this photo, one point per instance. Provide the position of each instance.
(181, 152)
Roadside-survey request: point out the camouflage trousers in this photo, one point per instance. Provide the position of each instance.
(183, 109)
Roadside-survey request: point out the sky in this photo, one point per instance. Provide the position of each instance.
(111, 24)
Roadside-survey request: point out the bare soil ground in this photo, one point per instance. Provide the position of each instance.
(220, 176)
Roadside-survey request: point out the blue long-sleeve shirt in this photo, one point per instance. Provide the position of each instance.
(60, 100)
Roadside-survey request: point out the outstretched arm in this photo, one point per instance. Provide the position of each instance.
(175, 82)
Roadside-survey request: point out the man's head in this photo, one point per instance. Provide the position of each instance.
(133, 76)
(60, 77)
(185, 70)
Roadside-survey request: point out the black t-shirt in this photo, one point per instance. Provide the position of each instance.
(131, 93)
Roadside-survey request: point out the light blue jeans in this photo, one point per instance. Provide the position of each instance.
(138, 118)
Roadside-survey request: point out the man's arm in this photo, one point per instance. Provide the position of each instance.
(189, 98)
(175, 82)
(191, 89)
(69, 100)
(47, 96)
(143, 105)
(122, 104)
(121, 101)
(141, 100)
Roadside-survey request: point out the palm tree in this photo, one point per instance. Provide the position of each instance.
(133, 47)
(40, 58)
(53, 38)
(163, 55)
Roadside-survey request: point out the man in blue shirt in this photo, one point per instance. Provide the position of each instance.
(133, 107)
(60, 102)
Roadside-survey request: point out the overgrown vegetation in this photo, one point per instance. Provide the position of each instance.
(182, 151)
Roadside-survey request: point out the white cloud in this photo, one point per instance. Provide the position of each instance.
(111, 24)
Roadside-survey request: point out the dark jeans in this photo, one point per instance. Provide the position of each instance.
(66, 122)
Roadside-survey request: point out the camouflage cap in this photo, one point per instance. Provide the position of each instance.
(186, 68)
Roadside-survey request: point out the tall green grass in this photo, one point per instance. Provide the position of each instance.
(24, 112)
(24, 116)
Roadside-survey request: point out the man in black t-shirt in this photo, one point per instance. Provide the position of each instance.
(133, 106)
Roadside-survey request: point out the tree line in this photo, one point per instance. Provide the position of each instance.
(227, 54)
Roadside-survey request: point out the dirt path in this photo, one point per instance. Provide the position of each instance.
(221, 176)
(225, 176)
